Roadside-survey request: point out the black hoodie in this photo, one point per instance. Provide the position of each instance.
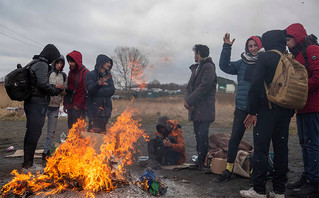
(265, 69)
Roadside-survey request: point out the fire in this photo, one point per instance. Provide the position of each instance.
(77, 165)
(137, 72)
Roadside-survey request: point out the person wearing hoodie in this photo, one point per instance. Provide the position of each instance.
(199, 100)
(35, 107)
(168, 147)
(270, 124)
(75, 101)
(244, 69)
(100, 88)
(298, 43)
(57, 77)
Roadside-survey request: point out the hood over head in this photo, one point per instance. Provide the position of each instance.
(49, 52)
(257, 39)
(163, 122)
(274, 39)
(101, 60)
(77, 57)
(63, 60)
(296, 31)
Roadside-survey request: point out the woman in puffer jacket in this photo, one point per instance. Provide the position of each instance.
(243, 68)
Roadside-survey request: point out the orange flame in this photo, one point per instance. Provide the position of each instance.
(137, 73)
(77, 165)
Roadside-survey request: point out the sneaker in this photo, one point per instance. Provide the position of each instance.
(306, 190)
(251, 193)
(297, 184)
(33, 169)
(272, 194)
(225, 176)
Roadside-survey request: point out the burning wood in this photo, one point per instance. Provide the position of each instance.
(77, 165)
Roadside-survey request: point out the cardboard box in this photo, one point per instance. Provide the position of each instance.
(218, 165)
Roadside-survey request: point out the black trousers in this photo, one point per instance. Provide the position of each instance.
(163, 155)
(201, 129)
(35, 114)
(272, 125)
(97, 124)
(238, 131)
(74, 115)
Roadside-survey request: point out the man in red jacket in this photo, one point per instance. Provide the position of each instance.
(75, 102)
(305, 50)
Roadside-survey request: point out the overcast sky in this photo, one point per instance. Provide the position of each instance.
(164, 30)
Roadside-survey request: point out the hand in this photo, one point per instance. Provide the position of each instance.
(251, 120)
(102, 82)
(186, 105)
(167, 143)
(76, 107)
(227, 39)
(59, 87)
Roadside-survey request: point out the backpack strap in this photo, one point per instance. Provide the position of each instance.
(304, 54)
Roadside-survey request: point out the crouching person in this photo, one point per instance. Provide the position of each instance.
(168, 147)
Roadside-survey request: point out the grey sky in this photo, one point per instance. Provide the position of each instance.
(164, 30)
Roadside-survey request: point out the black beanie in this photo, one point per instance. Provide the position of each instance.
(50, 52)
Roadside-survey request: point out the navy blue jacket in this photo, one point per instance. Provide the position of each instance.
(98, 100)
(236, 68)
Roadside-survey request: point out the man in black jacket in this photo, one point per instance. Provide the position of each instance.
(100, 88)
(200, 99)
(270, 124)
(35, 106)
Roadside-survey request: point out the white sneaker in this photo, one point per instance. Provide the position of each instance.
(33, 169)
(251, 193)
(272, 194)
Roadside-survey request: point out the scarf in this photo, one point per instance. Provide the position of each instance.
(250, 60)
(308, 40)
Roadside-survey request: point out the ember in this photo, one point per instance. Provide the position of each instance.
(77, 165)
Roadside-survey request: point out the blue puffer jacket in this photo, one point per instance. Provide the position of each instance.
(236, 68)
(98, 100)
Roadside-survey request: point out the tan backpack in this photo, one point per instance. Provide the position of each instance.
(289, 87)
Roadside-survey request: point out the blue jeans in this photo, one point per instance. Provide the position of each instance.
(35, 114)
(52, 114)
(201, 129)
(308, 132)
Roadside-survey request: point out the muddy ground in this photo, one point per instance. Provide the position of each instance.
(182, 183)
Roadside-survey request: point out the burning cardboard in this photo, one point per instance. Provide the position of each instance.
(77, 165)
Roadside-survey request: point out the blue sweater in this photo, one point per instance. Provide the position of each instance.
(236, 68)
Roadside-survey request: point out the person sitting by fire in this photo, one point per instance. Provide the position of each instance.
(168, 147)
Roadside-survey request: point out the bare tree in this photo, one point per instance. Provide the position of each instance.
(129, 66)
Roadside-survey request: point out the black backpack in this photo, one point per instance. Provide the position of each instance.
(17, 82)
(309, 40)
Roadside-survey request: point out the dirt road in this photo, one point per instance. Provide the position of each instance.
(183, 183)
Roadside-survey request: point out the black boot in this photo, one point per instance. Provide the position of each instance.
(297, 184)
(306, 190)
(225, 176)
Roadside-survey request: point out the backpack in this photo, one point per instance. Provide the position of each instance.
(309, 40)
(17, 82)
(289, 86)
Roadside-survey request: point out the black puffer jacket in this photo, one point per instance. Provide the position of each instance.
(99, 101)
(265, 69)
(39, 76)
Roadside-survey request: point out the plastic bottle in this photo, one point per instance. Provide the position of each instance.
(62, 137)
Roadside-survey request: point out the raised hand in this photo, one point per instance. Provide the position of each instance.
(227, 39)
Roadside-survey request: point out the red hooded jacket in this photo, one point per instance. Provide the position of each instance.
(299, 33)
(79, 96)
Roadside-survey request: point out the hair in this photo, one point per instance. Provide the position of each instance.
(203, 50)
(69, 59)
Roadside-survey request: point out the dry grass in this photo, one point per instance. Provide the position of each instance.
(173, 107)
